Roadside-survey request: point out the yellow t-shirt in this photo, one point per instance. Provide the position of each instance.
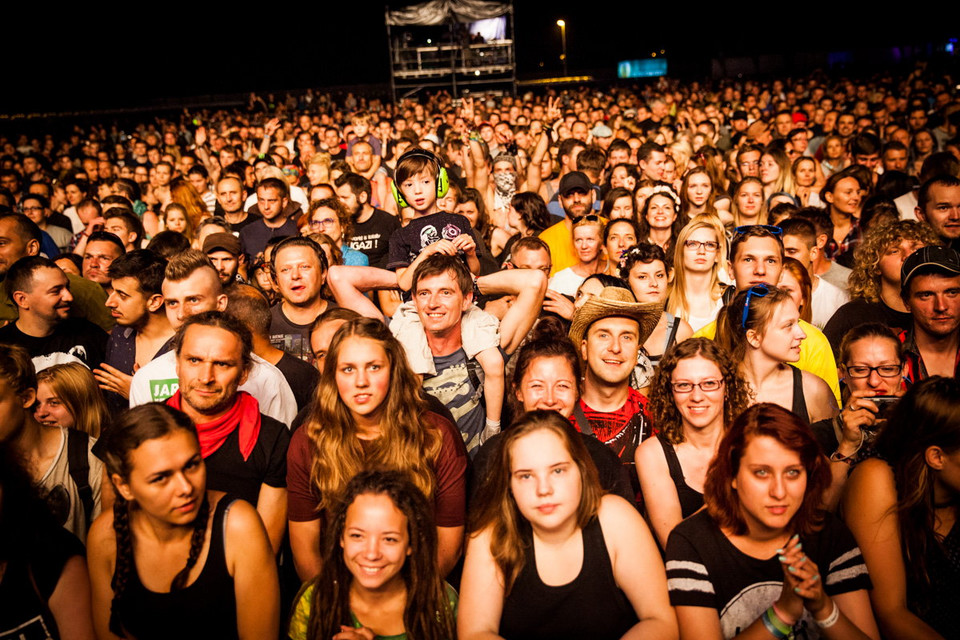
(560, 240)
(816, 355)
(300, 620)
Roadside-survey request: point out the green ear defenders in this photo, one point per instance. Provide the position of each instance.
(443, 180)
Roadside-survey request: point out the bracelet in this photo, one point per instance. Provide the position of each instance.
(831, 619)
(836, 457)
(777, 627)
(782, 617)
(493, 424)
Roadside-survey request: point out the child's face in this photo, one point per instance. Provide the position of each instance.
(420, 190)
(361, 128)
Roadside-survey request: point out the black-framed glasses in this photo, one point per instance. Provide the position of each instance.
(756, 291)
(696, 245)
(858, 371)
(775, 230)
(711, 384)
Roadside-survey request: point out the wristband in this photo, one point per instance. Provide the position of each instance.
(775, 625)
(831, 619)
(767, 619)
(493, 424)
(782, 617)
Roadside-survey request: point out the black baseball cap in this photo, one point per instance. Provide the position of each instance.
(929, 259)
(574, 180)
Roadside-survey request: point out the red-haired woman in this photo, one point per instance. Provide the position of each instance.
(763, 559)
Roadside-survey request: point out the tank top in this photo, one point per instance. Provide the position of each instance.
(205, 609)
(591, 606)
(690, 499)
(671, 332)
(799, 403)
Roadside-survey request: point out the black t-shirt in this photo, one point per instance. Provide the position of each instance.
(73, 339)
(238, 226)
(302, 378)
(24, 609)
(290, 337)
(857, 312)
(254, 236)
(372, 237)
(407, 242)
(227, 471)
(705, 569)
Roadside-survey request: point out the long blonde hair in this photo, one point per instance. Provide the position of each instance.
(677, 299)
(77, 389)
(406, 444)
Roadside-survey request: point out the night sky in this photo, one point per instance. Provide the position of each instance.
(116, 55)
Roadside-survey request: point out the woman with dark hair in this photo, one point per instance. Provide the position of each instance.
(659, 219)
(696, 394)
(763, 559)
(619, 235)
(544, 537)
(380, 577)
(902, 508)
(547, 377)
(618, 203)
(528, 214)
(171, 552)
(761, 331)
(369, 412)
(646, 270)
(329, 216)
(471, 206)
(44, 587)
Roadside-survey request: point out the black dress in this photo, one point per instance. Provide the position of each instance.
(690, 499)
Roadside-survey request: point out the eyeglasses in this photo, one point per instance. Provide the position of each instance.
(704, 385)
(858, 371)
(326, 222)
(775, 230)
(696, 245)
(758, 291)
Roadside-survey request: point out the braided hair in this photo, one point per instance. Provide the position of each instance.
(133, 428)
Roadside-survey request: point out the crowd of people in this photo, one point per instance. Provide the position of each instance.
(670, 361)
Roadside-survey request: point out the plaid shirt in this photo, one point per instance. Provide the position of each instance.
(850, 242)
(916, 371)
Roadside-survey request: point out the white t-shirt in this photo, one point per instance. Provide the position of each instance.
(566, 281)
(907, 205)
(157, 381)
(59, 489)
(824, 302)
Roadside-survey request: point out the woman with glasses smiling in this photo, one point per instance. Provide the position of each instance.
(697, 393)
(761, 330)
(329, 216)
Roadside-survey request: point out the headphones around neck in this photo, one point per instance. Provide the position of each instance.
(443, 180)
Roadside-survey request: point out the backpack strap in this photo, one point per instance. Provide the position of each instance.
(78, 464)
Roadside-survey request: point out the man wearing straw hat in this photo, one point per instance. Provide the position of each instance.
(609, 329)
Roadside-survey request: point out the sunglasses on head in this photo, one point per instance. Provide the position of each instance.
(775, 230)
(756, 291)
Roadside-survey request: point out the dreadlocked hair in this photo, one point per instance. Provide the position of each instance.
(427, 614)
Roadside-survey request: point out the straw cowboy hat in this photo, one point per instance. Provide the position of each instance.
(615, 302)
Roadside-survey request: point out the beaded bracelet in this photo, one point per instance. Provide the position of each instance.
(831, 619)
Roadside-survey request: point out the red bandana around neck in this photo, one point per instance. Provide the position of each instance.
(244, 414)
